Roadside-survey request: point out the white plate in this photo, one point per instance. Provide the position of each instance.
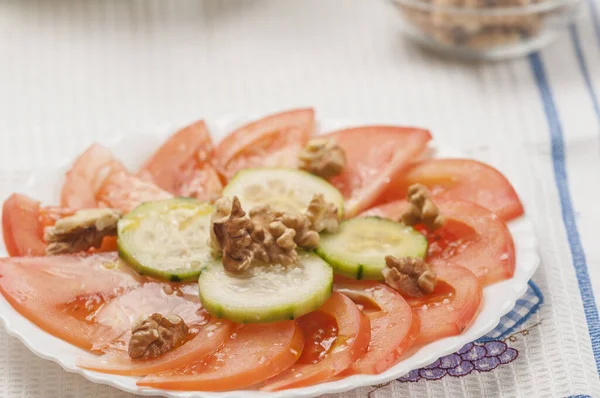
(498, 299)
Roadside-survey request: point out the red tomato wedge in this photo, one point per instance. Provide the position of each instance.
(273, 141)
(325, 357)
(253, 353)
(201, 182)
(86, 175)
(473, 237)
(393, 326)
(21, 227)
(58, 293)
(49, 215)
(374, 156)
(451, 307)
(120, 313)
(460, 179)
(205, 336)
(181, 165)
(123, 191)
(91, 301)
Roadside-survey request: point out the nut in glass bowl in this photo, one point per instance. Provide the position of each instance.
(486, 29)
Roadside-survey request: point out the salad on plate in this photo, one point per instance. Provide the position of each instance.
(273, 259)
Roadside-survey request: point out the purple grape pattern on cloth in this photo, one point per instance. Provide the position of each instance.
(480, 357)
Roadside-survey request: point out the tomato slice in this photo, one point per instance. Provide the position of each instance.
(205, 336)
(21, 226)
(394, 328)
(59, 293)
(123, 191)
(374, 156)
(452, 305)
(273, 141)
(325, 356)
(460, 179)
(92, 301)
(473, 237)
(181, 165)
(86, 175)
(201, 182)
(253, 353)
(49, 215)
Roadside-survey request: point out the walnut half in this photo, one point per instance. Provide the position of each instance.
(232, 235)
(266, 235)
(422, 209)
(323, 157)
(154, 335)
(81, 231)
(409, 275)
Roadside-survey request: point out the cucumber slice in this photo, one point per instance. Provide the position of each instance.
(287, 190)
(358, 250)
(167, 239)
(266, 293)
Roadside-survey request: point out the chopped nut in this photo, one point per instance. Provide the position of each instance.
(232, 234)
(475, 24)
(323, 157)
(409, 275)
(422, 209)
(266, 235)
(154, 335)
(220, 215)
(323, 216)
(273, 240)
(81, 231)
(305, 237)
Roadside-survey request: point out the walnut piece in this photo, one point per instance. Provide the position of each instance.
(473, 24)
(232, 234)
(154, 335)
(266, 235)
(323, 216)
(220, 215)
(421, 209)
(410, 276)
(323, 157)
(81, 231)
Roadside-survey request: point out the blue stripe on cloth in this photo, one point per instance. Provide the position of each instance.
(524, 308)
(568, 214)
(580, 396)
(584, 69)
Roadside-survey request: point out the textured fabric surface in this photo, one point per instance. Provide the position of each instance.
(73, 72)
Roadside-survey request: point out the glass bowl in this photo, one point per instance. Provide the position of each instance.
(486, 29)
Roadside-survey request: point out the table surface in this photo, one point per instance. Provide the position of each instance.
(74, 72)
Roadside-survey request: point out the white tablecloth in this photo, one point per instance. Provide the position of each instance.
(72, 72)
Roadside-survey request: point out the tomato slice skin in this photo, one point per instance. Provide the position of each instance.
(123, 191)
(86, 175)
(205, 335)
(49, 215)
(374, 156)
(460, 179)
(199, 182)
(473, 237)
(253, 353)
(273, 141)
(354, 334)
(181, 165)
(29, 284)
(21, 227)
(394, 327)
(451, 307)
